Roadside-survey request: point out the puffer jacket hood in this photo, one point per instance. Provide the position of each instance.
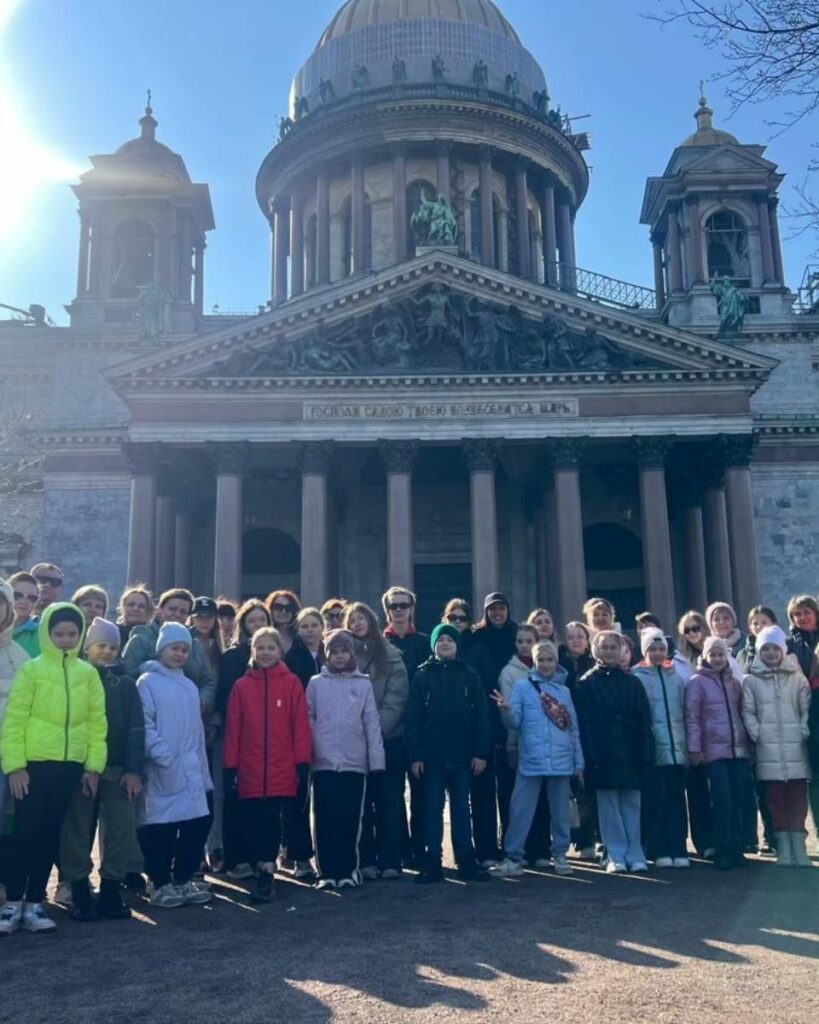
(6, 611)
(48, 649)
(56, 708)
(775, 703)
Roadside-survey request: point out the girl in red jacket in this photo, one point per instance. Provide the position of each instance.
(268, 750)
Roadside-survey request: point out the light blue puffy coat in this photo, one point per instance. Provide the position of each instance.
(543, 748)
(177, 778)
(665, 690)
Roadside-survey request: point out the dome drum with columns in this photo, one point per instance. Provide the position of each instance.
(462, 419)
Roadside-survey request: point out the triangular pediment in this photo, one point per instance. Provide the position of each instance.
(440, 315)
(718, 158)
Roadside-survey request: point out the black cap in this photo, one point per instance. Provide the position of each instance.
(495, 598)
(204, 606)
(225, 610)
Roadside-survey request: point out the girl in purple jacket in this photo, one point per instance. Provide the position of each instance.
(716, 738)
(347, 745)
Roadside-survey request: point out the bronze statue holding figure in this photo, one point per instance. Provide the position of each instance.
(732, 306)
(434, 223)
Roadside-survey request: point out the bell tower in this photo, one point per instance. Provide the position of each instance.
(143, 226)
(713, 214)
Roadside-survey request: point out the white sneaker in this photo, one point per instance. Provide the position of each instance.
(11, 917)
(63, 894)
(615, 867)
(165, 896)
(507, 868)
(240, 872)
(664, 862)
(487, 865)
(639, 868)
(390, 874)
(35, 919)
(327, 883)
(543, 862)
(194, 892)
(681, 862)
(562, 866)
(347, 883)
(369, 874)
(587, 853)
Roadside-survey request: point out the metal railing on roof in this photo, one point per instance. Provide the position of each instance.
(807, 297)
(610, 291)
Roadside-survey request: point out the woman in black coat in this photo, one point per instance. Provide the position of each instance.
(618, 744)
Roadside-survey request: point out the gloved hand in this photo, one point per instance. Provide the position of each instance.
(231, 779)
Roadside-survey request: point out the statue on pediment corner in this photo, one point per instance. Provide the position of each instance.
(151, 312)
(731, 305)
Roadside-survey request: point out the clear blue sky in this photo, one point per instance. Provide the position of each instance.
(73, 78)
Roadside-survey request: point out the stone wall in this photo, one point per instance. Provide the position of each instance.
(793, 386)
(85, 529)
(786, 499)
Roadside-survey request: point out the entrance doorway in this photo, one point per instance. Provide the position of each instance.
(435, 584)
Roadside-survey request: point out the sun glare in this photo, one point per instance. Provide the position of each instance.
(29, 165)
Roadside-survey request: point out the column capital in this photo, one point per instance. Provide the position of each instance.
(711, 468)
(486, 153)
(651, 451)
(314, 456)
(565, 452)
(231, 458)
(692, 199)
(481, 453)
(399, 149)
(737, 450)
(398, 456)
(144, 458)
(443, 148)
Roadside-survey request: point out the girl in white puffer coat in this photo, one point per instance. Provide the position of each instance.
(775, 699)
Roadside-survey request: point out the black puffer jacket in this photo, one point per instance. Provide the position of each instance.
(126, 720)
(414, 648)
(615, 728)
(232, 667)
(301, 662)
(803, 645)
(575, 667)
(447, 719)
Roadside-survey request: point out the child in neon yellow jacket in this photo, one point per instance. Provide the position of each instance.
(52, 740)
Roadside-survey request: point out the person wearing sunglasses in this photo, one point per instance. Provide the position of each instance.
(25, 595)
(332, 612)
(693, 631)
(399, 611)
(49, 579)
(284, 606)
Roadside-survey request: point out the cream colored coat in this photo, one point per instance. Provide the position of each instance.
(775, 713)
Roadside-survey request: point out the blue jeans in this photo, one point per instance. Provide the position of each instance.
(522, 809)
(619, 813)
(437, 783)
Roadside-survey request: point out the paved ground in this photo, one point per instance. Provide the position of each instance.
(678, 946)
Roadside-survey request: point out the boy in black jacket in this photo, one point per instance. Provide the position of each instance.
(120, 785)
(448, 738)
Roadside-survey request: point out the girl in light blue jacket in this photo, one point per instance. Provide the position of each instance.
(665, 816)
(542, 711)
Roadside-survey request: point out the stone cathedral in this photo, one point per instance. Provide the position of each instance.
(458, 418)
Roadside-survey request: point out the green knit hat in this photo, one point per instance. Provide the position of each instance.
(444, 629)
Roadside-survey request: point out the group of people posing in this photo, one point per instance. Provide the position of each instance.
(199, 736)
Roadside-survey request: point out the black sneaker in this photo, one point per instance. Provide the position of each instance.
(430, 874)
(135, 882)
(109, 901)
(82, 901)
(264, 890)
(471, 871)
